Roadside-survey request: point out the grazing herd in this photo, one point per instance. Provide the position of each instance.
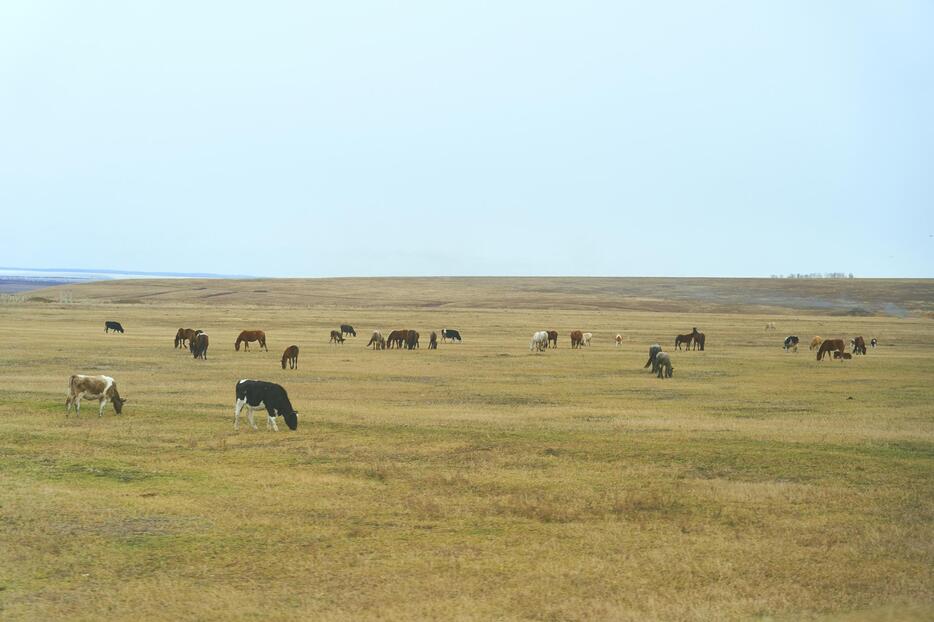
(255, 394)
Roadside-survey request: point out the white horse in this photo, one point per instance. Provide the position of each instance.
(619, 340)
(539, 341)
(587, 338)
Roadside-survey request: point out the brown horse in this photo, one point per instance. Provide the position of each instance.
(843, 356)
(411, 339)
(859, 345)
(553, 338)
(183, 335)
(199, 346)
(830, 345)
(433, 341)
(815, 342)
(577, 339)
(290, 355)
(699, 339)
(251, 335)
(685, 339)
(336, 337)
(396, 338)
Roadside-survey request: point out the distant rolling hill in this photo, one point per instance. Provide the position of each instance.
(894, 297)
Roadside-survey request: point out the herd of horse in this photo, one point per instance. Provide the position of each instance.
(256, 394)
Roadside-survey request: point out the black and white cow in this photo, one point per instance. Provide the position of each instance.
(791, 343)
(258, 393)
(110, 325)
(874, 342)
(450, 333)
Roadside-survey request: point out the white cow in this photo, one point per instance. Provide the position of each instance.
(539, 341)
(619, 340)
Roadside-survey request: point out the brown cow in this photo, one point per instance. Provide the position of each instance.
(577, 339)
(815, 342)
(843, 356)
(247, 336)
(101, 388)
(830, 345)
(291, 356)
(336, 337)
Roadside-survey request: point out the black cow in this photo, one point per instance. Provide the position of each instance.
(110, 325)
(450, 333)
(791, 343)
(256, 393)
(347, 329)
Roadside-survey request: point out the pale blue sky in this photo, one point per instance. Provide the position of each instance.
(531, 138)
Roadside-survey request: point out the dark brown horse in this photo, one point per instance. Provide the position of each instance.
(859, 345)
(411, 339)
(699, 339)
(336, 337)
(290, 355)
(830, 345)
(183, 335)
(685, 339)
(553, 338)
(396, 338)
(199, 346)
(577, 339)
(251, 335)
(433, 341)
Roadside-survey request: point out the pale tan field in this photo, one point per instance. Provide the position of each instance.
(478, 481)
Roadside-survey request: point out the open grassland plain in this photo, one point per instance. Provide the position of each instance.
(478, 481)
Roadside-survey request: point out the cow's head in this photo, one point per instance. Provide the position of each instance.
(118, 404)
(291, 419)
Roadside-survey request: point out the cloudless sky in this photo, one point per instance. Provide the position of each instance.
(458, 138)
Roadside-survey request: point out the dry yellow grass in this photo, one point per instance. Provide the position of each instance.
(475, 482)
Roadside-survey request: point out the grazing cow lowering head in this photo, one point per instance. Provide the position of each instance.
(257, 393)
(100, 388)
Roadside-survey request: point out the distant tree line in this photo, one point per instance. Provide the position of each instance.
(814, 275)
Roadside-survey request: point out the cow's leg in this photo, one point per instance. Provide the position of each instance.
(271, 418)
(68, 402)
(78, 406)
(103, 402)
(238, 406)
